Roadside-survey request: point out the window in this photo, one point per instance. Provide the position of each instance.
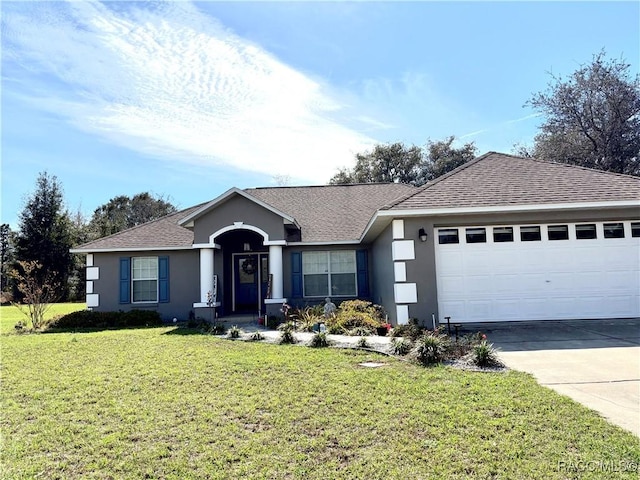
(613, 230)
(329, 273)
(586, 231)
(558, 232)
(530, 234)
(635, 229)
(448, 235)
(476, 235)
(144, 279)
(502, 234)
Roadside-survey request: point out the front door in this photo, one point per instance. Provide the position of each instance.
(250, 272)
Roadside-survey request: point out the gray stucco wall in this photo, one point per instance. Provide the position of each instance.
(238, 209)
(381, 273)
(184, 281)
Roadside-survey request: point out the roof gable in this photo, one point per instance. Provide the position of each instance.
(190, 219)
(496, 180)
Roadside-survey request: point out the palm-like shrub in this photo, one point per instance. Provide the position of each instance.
(286, 333)
(485, 355)
(401, 346)
(319, 340)
(430, 349)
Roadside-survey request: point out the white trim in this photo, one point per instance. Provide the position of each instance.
(403, 250)
(398, 229)
(93, 300)
(227, 194)
(206, 245)
(322, 244)
(269, 243)
(414, 212)
(405, 293)
(239, 226)
(273, 301)
(127, 249)
(93, 273)
(204, 305)
(402, 314)
(89, 287)
(400, 271)
(89, 261)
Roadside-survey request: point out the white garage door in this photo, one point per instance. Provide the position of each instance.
(538, 272)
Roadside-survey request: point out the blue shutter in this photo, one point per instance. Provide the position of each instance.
(362, 267)
(296, 274)
(125, 280)
(163, 279)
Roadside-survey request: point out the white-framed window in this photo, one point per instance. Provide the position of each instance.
(329, 274)
(144, 279)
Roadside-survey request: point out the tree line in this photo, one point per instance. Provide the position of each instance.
(39, 249)
(591, 119)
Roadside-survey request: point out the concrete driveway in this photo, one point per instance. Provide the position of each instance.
(595, 362)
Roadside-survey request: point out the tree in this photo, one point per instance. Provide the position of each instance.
(593, 118)
(122, 212)
(412, 165)
(44, 234)
(6, 260)
(38, 290)
(393, 162)
(441, 158)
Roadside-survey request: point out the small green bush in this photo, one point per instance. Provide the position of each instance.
(256, 337)
(363, 342)
(319, 340)
(401, 346)
(234, 332)
(412, 331)
(430, 349)
(360, 332)
(306, 318)
(355, 313)
(215, 329)
(93, 319)
(485, 355)
(286, 333)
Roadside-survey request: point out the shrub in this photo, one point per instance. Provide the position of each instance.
(319, 340)
(401, 346)
(256, 337)
(362, 342)
(485, 355)
(307, 317)
(431, 348)
(412, 331)
(286, 333)
(234, 332)
(360, 332)
(215, 329)
(356, 313)
(93, 319)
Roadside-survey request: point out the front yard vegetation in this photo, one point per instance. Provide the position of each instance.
(173, 403)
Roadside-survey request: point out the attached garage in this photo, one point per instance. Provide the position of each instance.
(538, 272)
(504, 238)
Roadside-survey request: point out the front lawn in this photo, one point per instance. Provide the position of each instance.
(173, 404)
(10, 315)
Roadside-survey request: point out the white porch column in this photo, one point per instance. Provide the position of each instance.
(275, 269)
(206, 273)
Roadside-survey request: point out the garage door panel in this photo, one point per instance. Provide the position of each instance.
(594, 278)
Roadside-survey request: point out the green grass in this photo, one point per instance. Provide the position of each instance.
(155, 403)
(10, 315)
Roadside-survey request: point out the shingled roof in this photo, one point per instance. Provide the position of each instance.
(496, 179)
(164, 233)
(332, 213)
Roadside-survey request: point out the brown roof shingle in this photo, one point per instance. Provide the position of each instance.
(496, 179)
(332, 213)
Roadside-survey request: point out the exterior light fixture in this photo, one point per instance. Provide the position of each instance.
(422, 234)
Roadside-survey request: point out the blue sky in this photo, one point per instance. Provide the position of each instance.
(189, 99)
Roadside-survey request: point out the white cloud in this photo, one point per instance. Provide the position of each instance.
(167, 80)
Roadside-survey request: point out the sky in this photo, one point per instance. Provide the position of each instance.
(188, 99)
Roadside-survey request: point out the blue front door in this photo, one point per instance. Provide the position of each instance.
(250, 272)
